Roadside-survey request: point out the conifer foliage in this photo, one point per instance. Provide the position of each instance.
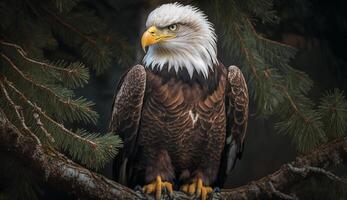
(37, 78)
(276, 88)
(37, 91)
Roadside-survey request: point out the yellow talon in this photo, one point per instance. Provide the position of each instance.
(192, 188)
(149, 188)
(184, 188)
(156, 187)
(205, 191)
(169, 188)
(197, 188)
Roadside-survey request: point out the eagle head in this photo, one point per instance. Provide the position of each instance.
(180, 37)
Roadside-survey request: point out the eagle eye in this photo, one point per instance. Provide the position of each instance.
(172, 27)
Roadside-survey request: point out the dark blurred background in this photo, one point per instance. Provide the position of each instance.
(318, 29)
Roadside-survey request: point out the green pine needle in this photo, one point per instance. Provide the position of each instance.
(93, 150)
(72, 75)
(57, 100)
(38, 77)
(298, 81)
(333, 108)
(298, 119)
(262, 9)
(275, 87)
(95, 153)
(99, 55)
(64, 6)
(265, 91)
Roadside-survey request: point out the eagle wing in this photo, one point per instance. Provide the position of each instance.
(125, 119)
(237, 118)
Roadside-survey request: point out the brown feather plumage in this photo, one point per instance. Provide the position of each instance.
(180, 126)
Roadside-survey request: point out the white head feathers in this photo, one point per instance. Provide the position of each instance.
(194, 47)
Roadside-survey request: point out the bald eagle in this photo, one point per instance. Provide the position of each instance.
(181, 114)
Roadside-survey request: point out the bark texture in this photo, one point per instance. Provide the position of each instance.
(72, 178)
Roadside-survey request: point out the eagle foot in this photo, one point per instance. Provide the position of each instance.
(197, 188)
(157, 186)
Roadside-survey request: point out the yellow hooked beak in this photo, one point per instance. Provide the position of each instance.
(154, 35)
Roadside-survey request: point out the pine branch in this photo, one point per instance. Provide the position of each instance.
(64, 6)
(256, 34)
(292, 103)
(39, 110)
(297, 81)
(100, 56)
(71, 28)
(262, 9)
(24, 54)
(301, 121)
(74, 109)
(333, 108)
(249, 56)
(92, 150)
(75, 75)
(96, 52)
(280, 194)
(42, 127)
(274, 53)
(77, 180)
(29, 80)
(276, 88)
(39, 95)
(19, 114)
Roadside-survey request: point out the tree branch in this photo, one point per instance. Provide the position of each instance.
(70, 27)
(57, 169)
(61, 172)
(24, 55)
(332, 153)
(47, 117)
(281, 195)
(36, 84)
(304, 170)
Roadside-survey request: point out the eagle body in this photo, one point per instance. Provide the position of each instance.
(183, 123)
(182, 115)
